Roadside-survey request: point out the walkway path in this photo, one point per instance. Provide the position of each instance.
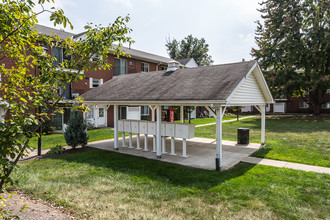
(224, 121)
(285, 164)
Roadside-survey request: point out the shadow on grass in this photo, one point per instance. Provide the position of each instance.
(143, 168)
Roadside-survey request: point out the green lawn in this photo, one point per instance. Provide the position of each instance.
(109, 185)
(52, 140)
(300, 139)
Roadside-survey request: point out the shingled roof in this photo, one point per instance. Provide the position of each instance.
(50, 31)
(201, 83)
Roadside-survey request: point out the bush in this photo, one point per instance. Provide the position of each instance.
(58, 149)
(75, 133)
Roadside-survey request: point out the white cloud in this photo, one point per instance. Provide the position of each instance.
(124, 2)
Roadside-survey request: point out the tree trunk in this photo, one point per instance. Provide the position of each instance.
(317, 109)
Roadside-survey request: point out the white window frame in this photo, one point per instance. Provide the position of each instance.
(145, 68)
(145, 107)
(303, 105)
(95, 57)
(90, 114)
(326, 105)
(91, 82)
(120, 67)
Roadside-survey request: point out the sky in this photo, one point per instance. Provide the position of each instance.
(228, 26)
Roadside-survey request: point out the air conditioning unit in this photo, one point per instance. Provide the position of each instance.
(75, 95)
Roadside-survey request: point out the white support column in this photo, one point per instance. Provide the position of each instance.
(115, 125)
(181, 114)
(130, 141)
(163, 146)
(184, 148)
(263, 124)
(138, 147)
(218, 159)
(172, 147)
(158, 134)
(146, 142)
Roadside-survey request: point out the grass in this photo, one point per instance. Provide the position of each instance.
(52, 140)
(300, 139)
(109, 185)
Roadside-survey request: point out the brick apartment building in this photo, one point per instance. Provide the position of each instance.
(98, 116)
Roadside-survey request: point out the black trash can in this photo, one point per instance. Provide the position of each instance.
(243, 136)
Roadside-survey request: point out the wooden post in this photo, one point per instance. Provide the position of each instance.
(123, 139)
(130, 144)
(184, 148)
(263, 124)
(163, 146)
(145, 142)
(172, 147)
(181, 114)
(138, 147)
(115, 125)
(158, 134)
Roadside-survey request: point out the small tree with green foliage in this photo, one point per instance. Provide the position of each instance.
(22, 92)
(190, 47)
(76, 132)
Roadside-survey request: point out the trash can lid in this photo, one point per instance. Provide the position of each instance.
(242, 128)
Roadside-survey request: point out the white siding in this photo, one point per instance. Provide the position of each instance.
(248, 92)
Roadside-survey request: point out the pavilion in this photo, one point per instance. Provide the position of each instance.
(215, 87)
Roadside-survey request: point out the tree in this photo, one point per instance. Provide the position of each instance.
(23, 92)
(76, 132)
(294, 48)
(190, 47)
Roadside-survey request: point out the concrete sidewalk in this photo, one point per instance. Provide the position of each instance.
(285, 164)
(224, 121)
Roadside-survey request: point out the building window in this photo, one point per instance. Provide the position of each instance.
(303, 105)
(95, 57)
(164, 68)
(60, 55)
(120, 67)
(144, 67)
(326, 105)
(57, 53)
(93, 82)
(90, 113)
(144, 110)
(101, 112)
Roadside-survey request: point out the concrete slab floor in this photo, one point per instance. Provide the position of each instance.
(201, 151)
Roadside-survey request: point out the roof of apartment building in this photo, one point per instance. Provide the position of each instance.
(132, 52)
(52, 31)
(215, 82)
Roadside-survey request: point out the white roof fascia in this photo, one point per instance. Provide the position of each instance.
(264, 84)
(165, 103)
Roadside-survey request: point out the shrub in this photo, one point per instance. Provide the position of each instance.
(75, 133)
(58, 149)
